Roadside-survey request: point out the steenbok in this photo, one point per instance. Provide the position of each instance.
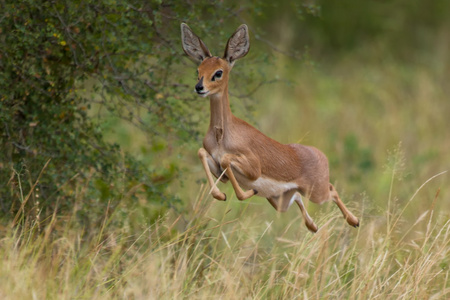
(240, 153)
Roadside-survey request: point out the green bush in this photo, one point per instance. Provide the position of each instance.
(61, 59)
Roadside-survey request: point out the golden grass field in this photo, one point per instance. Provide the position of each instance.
(233, 250)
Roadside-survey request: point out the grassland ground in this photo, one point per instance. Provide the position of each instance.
(231, 250)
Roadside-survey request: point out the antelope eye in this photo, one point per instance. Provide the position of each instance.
(217, 75)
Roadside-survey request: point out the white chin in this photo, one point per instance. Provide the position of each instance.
(204, 94)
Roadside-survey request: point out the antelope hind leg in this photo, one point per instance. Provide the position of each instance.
(273, 202)
(349, 217)
(288, 198)
(308, 220)
(283, 202)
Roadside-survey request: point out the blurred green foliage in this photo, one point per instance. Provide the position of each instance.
(332, 28)
(67, 65)
(70, 70)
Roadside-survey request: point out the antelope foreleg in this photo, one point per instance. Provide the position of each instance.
(247, 166)
(205, 158)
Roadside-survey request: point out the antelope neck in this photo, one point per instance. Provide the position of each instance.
(220, 113)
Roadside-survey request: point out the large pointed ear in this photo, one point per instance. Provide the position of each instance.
(238, 44)
(193, 45)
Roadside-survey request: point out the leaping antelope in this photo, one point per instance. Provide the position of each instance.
(249, 159)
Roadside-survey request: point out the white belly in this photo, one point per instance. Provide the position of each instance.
(217, 154)
(266, 187)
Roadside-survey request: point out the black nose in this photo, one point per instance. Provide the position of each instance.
(199, 88)
(199, 85)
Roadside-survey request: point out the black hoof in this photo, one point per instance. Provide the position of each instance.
(313, 230)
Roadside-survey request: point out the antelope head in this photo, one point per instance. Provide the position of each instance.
(213, 72)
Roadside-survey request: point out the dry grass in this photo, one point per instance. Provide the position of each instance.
(232, 253)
